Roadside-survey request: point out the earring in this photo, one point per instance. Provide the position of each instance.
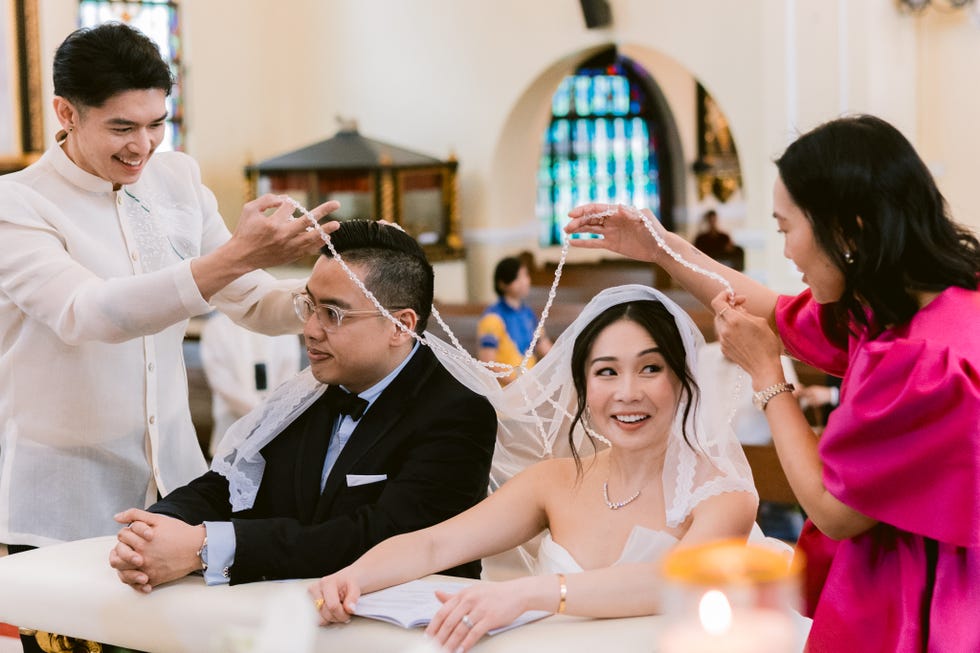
(848, 257)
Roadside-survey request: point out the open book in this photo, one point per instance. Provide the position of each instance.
(413, 604)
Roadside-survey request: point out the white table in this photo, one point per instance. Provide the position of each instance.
(70, 589)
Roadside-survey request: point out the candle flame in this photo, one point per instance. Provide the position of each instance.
(715, 612)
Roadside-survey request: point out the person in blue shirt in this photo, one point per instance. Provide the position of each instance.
(506, 329)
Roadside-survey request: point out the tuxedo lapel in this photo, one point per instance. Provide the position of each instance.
(378, 421)
(312, 452)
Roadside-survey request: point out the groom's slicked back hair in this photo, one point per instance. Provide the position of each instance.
(399, 273)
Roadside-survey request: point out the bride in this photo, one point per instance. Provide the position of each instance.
(611, 512)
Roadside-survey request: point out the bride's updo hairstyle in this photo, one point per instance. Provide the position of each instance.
(657, 321)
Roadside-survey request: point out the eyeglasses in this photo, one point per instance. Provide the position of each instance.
(329, 316)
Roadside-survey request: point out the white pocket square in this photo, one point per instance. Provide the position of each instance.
(354, 480)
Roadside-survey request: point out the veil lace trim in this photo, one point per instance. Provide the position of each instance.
(239, 457)
(534, 414)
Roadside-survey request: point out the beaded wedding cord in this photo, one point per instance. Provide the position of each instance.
(461, 353)
(633, 212)
(503, 369)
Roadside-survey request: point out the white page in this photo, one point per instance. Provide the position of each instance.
(414, 604)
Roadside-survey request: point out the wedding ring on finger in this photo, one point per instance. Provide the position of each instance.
(466, 621)
(720, 315)
(319, 603)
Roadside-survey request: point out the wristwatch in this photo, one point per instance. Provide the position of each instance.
(762, 397)
(202, 553)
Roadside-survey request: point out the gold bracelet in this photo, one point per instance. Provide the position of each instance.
(562, 593)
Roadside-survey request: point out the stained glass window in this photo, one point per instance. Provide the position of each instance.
(601, 144)
(157, 19)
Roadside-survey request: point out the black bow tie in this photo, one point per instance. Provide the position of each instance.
(346, 403)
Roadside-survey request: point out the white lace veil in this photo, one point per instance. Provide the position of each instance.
(239, 455)
(535, 411)
(534, 414)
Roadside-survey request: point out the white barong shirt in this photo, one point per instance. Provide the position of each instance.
(95, 293)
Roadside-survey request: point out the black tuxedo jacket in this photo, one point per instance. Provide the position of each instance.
(432, 437)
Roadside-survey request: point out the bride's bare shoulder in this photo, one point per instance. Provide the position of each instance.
(562, 470)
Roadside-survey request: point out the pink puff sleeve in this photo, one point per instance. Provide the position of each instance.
(809, 334)
(904, 445)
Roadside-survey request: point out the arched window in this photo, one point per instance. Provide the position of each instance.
(157, 19)
(603, 144)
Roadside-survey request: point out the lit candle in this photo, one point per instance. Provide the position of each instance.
(727, 597)
(719, 629)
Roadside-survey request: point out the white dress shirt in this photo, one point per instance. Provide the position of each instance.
(95, 292)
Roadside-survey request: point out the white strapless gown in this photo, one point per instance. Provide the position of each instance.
(643, 545)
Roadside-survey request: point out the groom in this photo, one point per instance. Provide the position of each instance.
(408, 447)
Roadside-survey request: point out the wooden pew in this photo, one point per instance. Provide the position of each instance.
(770, 481)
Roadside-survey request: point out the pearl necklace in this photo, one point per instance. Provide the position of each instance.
(616, 505)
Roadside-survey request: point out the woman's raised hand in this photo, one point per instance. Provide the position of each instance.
(621, 227)
(747, 340)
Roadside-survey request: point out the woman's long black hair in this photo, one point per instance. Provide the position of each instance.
(878, 214)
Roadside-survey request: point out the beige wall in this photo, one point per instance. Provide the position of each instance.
(948, 133)
(257, 85)
(474, 78)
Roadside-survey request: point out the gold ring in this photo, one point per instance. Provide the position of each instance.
(723, 311)
(319, 603)
(466, 621)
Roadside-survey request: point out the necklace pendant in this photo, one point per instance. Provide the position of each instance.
(616, 505)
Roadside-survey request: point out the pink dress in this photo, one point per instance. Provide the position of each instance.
(903, 448)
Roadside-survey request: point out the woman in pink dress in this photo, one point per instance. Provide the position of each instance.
(892, 487)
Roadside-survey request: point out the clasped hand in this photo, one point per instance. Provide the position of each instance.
(154, 549)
